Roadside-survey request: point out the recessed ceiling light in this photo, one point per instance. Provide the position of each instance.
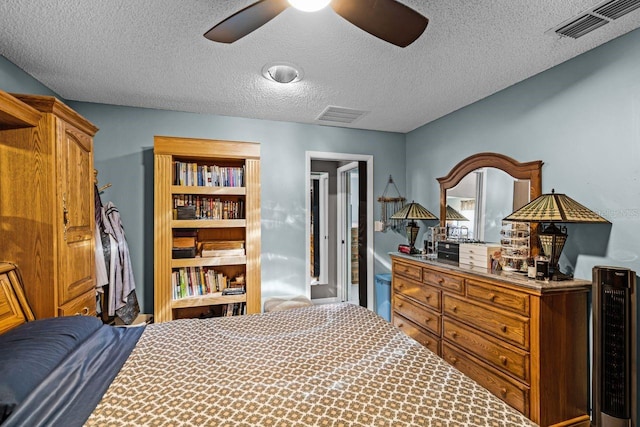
(282, 72)
(309, 5)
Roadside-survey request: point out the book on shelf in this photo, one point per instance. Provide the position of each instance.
(234, 309)
(197, 281)
(221, 248)
(235, 290)
(194, 174)
(190, 206)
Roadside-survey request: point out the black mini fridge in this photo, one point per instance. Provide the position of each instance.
(614, 347)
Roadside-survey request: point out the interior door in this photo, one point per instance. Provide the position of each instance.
(76, 204)
(348, 232)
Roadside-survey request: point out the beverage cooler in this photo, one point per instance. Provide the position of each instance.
(614, 390)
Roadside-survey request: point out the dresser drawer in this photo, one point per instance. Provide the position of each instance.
(418, 291)
(443, 280)
(408, 270)
(498, 296)
(425, 338)
(506, 358)
(417, 313)
(83, 305)
(511, 328)
(511, 391)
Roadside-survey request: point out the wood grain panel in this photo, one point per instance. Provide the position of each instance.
(514, 393)
(512, 328)
(162, 239)
(500, 355)
(418, 291)
(424, 337)
(254, 297)
(421, 315)
(498, 296)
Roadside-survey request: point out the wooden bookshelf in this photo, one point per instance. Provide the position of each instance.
(203, 152)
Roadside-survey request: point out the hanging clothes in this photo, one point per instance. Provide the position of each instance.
(102, 275)
(122, 299)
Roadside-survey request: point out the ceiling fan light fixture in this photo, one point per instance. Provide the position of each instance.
(282, 72)
(309, 5)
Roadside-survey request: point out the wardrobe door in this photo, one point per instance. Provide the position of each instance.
(76, 206)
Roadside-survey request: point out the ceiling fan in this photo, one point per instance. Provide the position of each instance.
(388, 20)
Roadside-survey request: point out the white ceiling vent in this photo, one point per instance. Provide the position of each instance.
(595, 17)
(614, 9)
(340, 115)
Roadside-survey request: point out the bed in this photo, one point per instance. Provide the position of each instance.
(336, 364)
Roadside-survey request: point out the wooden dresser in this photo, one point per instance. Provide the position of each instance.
(524, 340)
(47, 209)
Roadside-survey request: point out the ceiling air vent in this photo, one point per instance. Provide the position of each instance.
(340, 115)
(581, 26)
(595, 17)
(616, 8)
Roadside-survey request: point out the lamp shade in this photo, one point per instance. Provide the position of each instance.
(554, 207)
(413, 211)
(454, 215)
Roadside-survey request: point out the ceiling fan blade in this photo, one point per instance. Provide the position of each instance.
(388, 20)
(245, 21)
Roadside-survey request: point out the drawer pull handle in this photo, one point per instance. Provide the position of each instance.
(503, 392)
(503, 359)
(492, 297)
(400, 286)
(400, 304)
(454, 360)
(454, 335)
(426, 343)
(427, 319)
(504, 328)
(441, 280)
(427, 297)
(400, 325)
(454, 308)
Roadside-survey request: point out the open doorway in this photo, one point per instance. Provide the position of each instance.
(349, 233)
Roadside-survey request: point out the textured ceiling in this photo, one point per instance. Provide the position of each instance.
(152, 53)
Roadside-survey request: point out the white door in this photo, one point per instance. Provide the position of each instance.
(347, 215)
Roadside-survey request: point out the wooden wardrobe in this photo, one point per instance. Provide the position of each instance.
(47, 219)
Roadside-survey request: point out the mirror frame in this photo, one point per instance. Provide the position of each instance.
(528, 170)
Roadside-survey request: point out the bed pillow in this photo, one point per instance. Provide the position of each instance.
(29, 352)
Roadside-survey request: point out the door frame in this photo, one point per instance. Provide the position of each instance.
(341, 157)
(344, 237)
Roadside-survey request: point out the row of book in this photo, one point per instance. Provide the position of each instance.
(207, 207)
(197, 281)
(234, 309)
(186, 173)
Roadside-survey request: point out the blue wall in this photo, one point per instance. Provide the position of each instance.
(582, 118)
(124, 157)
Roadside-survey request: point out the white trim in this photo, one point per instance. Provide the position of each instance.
(323, 222)
(321, 155)
(344, 236)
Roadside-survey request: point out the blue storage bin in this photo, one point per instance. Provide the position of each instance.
(383, 295)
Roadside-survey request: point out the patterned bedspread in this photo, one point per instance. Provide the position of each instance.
(328, 365)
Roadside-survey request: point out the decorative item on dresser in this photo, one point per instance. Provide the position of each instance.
(551, 209)
(220, 182)
(524, 340)
(412, 212)
(46, 171)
